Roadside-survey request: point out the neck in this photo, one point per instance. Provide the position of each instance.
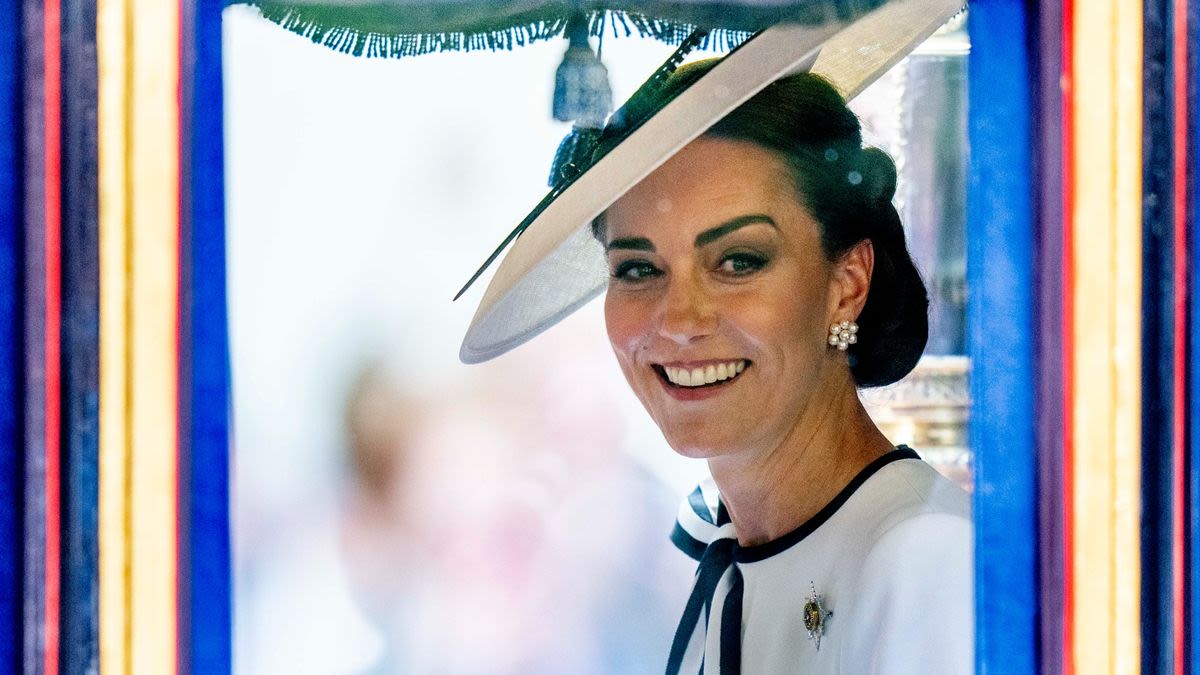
(772, 493)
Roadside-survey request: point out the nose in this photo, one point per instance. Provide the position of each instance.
(687, 313)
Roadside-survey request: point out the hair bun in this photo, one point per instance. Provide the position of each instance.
(879, 174)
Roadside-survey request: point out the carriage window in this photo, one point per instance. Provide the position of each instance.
(396, 511)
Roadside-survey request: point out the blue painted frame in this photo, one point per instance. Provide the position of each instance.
(1158, 339)
(11, 335)
(80, 618)
(1001, 337)
(205, 584)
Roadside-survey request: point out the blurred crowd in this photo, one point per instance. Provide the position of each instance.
(498, 529)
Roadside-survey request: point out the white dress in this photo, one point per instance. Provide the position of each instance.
(888, 561)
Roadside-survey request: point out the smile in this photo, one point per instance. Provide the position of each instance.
(702, 376)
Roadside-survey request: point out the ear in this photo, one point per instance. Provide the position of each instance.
(851, 282)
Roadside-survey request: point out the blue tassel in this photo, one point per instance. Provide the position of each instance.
(581, 91)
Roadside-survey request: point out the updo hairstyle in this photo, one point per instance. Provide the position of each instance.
(849, 190)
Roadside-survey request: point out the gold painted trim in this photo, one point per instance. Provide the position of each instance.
(138, 52)
(153, 368)
(1107, 335)
(112, 56)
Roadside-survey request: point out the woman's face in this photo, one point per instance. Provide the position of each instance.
(717, 272)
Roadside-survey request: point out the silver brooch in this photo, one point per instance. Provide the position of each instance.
(815, 616)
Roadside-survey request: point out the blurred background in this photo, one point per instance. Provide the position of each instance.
(398, 512)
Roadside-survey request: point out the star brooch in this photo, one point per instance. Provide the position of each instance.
(815, 616)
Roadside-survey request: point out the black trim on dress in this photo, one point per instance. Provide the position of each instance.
(747, 554)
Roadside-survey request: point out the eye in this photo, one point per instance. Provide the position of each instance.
(635, 270)
(739, 264)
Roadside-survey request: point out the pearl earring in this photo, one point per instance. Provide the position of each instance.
(842, 335)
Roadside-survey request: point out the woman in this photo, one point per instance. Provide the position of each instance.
(756, 278)
(736, 269)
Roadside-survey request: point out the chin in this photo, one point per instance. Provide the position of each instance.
(700, 446)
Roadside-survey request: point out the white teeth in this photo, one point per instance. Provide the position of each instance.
(706, 375)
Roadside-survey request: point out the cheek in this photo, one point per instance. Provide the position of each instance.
(626, 325)
(788, 318)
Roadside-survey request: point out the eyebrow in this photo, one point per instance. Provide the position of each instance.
(703, 239)
(630, 243)
(712, 234)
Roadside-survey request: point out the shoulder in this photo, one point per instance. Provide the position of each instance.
(910, 499)
(917, 488)
(914, 606)
(921, 560)
(921, 536)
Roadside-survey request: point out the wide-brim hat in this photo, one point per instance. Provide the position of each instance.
(555, 265)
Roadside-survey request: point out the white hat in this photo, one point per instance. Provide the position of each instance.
(555, 264)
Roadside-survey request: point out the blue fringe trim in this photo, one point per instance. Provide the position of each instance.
(375, 44)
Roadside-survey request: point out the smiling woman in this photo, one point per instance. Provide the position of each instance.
(717, 261)
(758, 276)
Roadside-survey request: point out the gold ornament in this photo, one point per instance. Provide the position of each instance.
(815, 616)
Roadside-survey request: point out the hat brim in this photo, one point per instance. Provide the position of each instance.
(557, 266)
